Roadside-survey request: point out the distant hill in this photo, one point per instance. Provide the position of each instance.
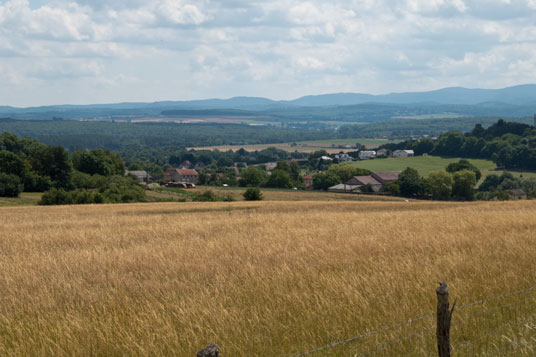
(518, 101)
(518, 95)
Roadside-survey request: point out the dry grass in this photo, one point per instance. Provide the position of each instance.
(261, 278)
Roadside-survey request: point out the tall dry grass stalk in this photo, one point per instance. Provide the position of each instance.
(261, 278)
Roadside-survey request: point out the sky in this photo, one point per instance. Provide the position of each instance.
(107, 51)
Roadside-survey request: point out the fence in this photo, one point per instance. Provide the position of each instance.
(442, 326)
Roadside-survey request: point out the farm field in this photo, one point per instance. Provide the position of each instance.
(305, 146)
(265, 278)
(427, 164)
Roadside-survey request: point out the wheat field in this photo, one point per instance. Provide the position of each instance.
(264, 278)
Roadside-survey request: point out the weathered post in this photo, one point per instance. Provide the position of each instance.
(444, 314)
(209, 351)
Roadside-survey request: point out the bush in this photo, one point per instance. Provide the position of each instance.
(56, 196)
(207, 196)
(10, 185)
(253, 194)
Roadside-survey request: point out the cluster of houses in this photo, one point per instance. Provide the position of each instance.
(375, 181)
(366, 155)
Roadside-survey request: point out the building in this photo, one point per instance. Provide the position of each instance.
(141, 175)
(343, 188)
(365, 155)
(185, 175)
(270, 166)
(343, 157)
(403, 153)
(518, 194)
(185, 164)
(308, 180)
(326, 158)
(364, 181)
(168, 174)
(382, 153)
(385, 177)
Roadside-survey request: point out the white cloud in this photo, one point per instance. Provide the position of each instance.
(186, 49)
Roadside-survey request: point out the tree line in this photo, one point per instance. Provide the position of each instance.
(88, 176)
(510, 145)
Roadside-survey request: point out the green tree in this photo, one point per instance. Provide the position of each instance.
(464, 164)
(279, 179)
(253, 194)
(325, 180)
(10, 185)
(464, 181)
(346, 171)
(410, 183)
(98, 161)
(439, 184)
(11, 163)
(252, 177)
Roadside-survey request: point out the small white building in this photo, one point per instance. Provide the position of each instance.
(403, 153)
(270, 166)
(382, 153)
(326, 158)
(141, 175)
(365, 155)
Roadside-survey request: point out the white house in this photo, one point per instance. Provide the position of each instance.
(403, 153)
(270, 166)
(382, 153)
(365, 155)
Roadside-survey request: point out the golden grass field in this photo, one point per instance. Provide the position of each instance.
(264, 278)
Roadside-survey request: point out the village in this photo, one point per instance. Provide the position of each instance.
(187, 175)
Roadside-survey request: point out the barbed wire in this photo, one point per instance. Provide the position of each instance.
(403, 323)
(371, 333)
(508, 327)
(490, 310)
(389, 343)
(502, 296)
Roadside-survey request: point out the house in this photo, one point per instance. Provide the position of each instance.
(270, 166)
(141, 175)
(344, 188)
(382, 153)
(308, 180)
(365, 155)
(403, 153)
(168, 174)
(385, 177)
(343, 157)
(185, 175)
(185, 164)
(518, 194)
(365, 180)
(326, 158)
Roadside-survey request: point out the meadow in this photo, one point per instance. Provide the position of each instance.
(265, 278)
(427, 164)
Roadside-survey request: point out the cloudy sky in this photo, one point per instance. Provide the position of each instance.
(102, 51)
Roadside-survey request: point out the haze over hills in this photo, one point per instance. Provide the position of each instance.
(517, 101)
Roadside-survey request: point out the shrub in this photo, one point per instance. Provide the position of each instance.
(253, 194)
(207, 196)
(10, 185)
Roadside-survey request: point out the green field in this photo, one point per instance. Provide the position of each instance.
(25, 199)
(330, 145)
(427, 164)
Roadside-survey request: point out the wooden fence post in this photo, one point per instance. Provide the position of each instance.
(209, 351)
(444, 315)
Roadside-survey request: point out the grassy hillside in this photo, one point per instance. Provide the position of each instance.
(423, 164)
(264, 278)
